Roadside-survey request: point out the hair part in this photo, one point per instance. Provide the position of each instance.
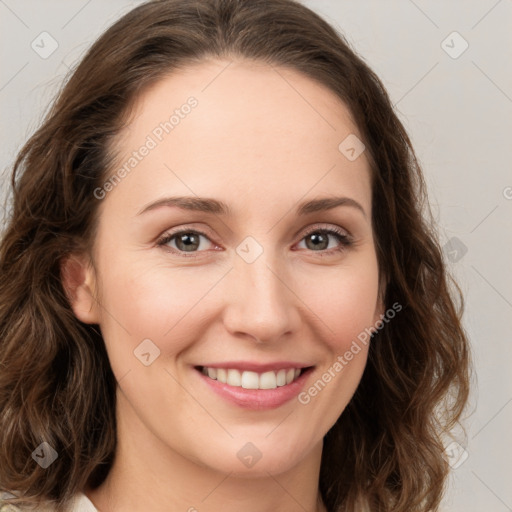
(56, 383)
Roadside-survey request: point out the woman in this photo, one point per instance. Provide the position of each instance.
(220, 287)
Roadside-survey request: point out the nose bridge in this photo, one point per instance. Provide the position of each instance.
(258, 301)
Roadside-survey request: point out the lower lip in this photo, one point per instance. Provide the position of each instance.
(257, 399)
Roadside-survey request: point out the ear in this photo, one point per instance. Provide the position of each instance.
(79, 283)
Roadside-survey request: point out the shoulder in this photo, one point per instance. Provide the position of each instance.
(80, 503)
(6, 506)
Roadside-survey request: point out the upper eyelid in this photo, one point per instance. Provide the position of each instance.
(204, 231)
(324, 228)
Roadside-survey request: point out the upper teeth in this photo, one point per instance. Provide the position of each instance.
(252, 380)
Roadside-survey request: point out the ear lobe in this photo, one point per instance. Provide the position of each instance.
(79, 283)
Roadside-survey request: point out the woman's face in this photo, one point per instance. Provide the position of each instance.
(243, 275)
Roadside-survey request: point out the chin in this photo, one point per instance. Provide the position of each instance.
(253, 459)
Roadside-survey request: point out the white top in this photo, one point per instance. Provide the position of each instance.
(81, 503)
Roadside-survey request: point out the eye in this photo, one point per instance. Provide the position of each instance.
(320, 240)
(185, 241)
(326, 240)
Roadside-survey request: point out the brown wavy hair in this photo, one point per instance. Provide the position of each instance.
(56, 384)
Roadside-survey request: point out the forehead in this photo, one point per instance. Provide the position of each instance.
(253, 129)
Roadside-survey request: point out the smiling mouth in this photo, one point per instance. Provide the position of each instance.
(253, 380)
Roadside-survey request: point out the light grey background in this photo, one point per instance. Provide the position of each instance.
(458, 112)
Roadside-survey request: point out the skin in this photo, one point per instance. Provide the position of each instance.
(262, 140)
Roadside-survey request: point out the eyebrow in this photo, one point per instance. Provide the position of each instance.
(209, 205)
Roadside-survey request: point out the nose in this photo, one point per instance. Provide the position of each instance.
(259, 300)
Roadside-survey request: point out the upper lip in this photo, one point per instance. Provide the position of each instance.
(257, 367)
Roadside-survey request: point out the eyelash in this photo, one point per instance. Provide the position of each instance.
(344, 240)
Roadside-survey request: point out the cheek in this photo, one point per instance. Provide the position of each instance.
(345, 303)
(346, 309)
(344, 300)
(154, 302)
